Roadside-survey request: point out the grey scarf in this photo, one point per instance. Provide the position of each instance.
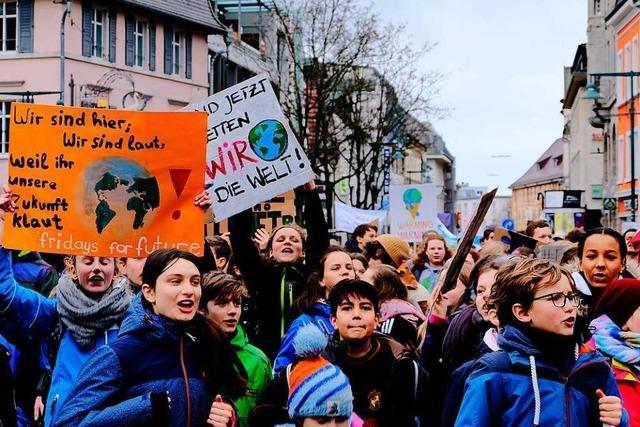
(87, 318)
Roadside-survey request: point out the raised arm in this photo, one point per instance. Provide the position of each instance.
(30, 311)
(316, 225)
(245, 253)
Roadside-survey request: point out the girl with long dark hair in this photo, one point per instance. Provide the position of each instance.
(335, 265)
(167, 364)
(602, 254)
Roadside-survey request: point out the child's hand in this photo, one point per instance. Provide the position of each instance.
(38, 408)
(261, 238)
(610, 408)
(6, 201)
(221, 414)
(203, 200)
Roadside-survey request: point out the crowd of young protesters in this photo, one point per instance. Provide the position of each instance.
(283, 328)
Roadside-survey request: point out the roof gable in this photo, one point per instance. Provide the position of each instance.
(197, 12)
(548, 167)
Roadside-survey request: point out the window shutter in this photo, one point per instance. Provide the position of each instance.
(87, 31)
(25, 22)
(152, 46)
(187, 55)
(129, 42)
(168, 52)
(113, 18)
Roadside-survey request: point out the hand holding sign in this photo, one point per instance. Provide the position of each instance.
(7, 203)
(252, 154)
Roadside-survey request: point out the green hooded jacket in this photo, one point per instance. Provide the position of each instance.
(258, 369)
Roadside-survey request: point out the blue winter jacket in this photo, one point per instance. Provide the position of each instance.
(37, 316)
(151, 354)
(320, 315)
(501, 390)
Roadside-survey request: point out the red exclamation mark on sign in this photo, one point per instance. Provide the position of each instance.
(179, 178)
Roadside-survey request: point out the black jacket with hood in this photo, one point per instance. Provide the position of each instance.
(274, 286)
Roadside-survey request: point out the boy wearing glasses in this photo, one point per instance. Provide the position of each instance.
(536, 378)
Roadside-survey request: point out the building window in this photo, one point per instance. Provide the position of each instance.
(98, 26)
(596, 7)
(176, 48)
(8, 26)
(139, 43)
(628, 64)
(619, 85)
(634, 62)
(5, 114)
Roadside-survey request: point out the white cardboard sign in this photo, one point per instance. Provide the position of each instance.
(252, 154)
(412, 210)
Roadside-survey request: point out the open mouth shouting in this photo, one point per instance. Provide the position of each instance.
(95, 282)
(186, 306)
(97, 279)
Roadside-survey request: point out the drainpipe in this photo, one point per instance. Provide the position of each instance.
(67, 11)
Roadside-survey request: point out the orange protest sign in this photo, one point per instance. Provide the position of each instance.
(105, 182)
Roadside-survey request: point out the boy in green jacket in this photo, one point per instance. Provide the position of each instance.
(221, 302)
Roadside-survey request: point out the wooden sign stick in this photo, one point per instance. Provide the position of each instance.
(464, 246)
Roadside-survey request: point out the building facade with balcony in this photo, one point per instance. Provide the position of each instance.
(127, 54)
(426, 159)
(584, 147)
(624, 22)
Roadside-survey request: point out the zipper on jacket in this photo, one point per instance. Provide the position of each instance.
(284, 274)
(186, 381)
(567, 401)
(567, 405)
(53, 404)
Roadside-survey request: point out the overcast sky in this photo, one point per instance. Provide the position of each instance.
(503, 61)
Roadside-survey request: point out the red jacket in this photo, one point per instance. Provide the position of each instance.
(628, 383)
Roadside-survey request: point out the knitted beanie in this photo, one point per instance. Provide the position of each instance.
(396, 247)
(316, 387)
(619, 300)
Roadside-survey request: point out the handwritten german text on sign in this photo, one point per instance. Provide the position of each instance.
(105, 182)
(252, 154)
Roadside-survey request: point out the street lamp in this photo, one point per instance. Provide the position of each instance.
(65, 13)
(593, 94)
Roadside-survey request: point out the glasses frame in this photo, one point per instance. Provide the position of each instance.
(574, 298)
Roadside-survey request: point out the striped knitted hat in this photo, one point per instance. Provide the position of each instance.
(316, 387)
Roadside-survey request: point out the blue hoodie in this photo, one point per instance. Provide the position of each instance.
(151, 354)
(505, 385)
(37, 316)
(320, 315)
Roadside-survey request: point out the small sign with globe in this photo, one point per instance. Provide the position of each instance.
(268, 139)
(413, 210)
(252, 154)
